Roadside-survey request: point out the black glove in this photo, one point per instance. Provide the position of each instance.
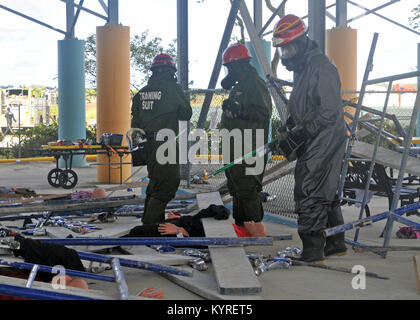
(292, 141)
(233, 109)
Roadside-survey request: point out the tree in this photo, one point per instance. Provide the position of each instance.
(415, 19)
(143, 48)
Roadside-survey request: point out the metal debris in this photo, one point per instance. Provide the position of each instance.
(197, 253)
(198, 264)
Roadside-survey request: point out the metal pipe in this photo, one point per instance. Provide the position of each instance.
(32, 19)
(88, 11)
(76, 16)
(113, 12)
(133, 264)
(341, 13)
(70, 19)
(38, 294)
(48, 269)
(304, 17)
(405, 221)
(218, 63)
(368, 69)
(275, 13)
(385, 18)
(373, 160)
(366, 221)
(191, 241)
(316, 22)
(32, 276)
(394, 77)
(119, 279)
(372, 10)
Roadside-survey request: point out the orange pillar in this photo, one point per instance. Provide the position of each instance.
(341, 48)
(113, 95)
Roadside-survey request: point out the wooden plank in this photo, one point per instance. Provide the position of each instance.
(234, 273)
(387, 158)
(416, 261)
(203, 283)
(204, 200)
(144, 253)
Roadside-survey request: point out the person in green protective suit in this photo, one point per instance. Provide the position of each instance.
(247, 107)
(160, 105)
(315, 135)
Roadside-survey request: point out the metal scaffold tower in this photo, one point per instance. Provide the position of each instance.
(394, 214)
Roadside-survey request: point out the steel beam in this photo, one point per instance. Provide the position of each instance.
(275, 13)
(49, 269)
(372, 11)
(69, 19)
(258, 14)
(38, 294)
(383, 17)
(133, 263)
(262, 59)
(32, 19)
(394, 77)
(172, 241)
(341, 13)
(218, 63)
(113, 12)
(103, 5)
(316, 22)
(88, 11)
(369, 220)
(76, 16)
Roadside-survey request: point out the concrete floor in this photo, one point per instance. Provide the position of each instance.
(298, 282)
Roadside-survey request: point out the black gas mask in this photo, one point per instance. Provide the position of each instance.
(235, 70)
(292, 55)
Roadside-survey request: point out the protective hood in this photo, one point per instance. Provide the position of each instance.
(237, 71)
(297, 62)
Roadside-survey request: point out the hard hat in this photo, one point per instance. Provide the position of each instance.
(163, 60)
(289, 28)
(235, 52)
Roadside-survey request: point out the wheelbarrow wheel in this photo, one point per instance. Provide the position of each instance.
(68, 179)
(54, 177)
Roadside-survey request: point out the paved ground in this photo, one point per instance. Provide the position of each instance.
(295, 283)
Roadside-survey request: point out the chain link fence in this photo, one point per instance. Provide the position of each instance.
(400, 104)
(282, 188)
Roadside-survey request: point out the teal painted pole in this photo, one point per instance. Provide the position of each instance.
(254, 62)
(71, 94)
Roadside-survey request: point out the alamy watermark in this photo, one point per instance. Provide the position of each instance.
(359, 281)
(198, 151)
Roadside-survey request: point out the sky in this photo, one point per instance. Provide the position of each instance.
(28, 51)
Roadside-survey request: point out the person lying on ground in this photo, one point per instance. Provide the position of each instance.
(191, 226)
(53, 254)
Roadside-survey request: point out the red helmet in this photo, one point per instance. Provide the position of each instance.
(163, 60)
(235, 52)
(289, 28)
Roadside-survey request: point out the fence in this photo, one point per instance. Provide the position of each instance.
(400, 104)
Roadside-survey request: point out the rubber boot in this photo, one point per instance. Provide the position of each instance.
(313, 247)
(335, 245)
(155, 211)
